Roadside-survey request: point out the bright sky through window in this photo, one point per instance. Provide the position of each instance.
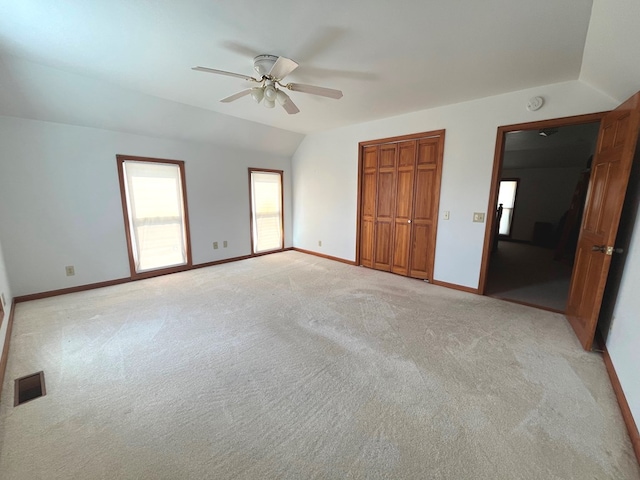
(156, 216)
(266, 203)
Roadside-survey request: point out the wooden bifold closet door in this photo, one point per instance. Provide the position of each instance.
(399, 193)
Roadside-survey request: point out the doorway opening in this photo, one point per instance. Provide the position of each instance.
(541, 175)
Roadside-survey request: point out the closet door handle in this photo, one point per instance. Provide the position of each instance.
(408, 221)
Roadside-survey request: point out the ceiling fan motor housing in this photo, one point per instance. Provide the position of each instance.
(264, 63)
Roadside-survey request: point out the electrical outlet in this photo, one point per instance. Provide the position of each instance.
(319, 243)
(70, 270)
(224, 244)
(446, 215)
(478, 217)
(215, 245)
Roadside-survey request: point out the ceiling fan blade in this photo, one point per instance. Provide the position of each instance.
(236, 96)
(282, 68)
(291, 107)
(222, 72)
(323, 92)
(287, 103)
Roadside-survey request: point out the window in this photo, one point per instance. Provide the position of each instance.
(507, 198)
(155, 211)
(266, 210)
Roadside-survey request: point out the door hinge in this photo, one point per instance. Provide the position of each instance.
(609, 251)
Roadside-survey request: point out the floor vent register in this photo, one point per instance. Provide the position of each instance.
(29, 388)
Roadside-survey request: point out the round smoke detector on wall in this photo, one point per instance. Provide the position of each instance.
(535, 103)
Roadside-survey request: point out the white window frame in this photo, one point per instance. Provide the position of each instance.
(137, 270)
(256, 241)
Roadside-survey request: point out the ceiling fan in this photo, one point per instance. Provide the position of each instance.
(272, 70)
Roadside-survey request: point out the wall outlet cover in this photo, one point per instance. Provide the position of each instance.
(478, 217)
(70, 270)
(215, 245)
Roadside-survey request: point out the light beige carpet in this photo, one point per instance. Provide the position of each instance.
(290, 366)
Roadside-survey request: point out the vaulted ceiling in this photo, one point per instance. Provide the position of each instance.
(100, 62)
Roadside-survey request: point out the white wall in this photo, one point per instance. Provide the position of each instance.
(325, 168)
(60, 200)
(624, 333)
(623, 326)
(544, 195)
(6, 290)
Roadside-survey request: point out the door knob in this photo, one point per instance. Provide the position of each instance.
(607, 250)
(408, 221)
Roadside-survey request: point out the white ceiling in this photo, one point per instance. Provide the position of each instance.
(611, 62)
(388, 58)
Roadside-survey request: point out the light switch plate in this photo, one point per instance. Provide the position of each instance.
(446, 215)
(478, 217)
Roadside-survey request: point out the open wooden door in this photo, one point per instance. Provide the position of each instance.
(610, 171)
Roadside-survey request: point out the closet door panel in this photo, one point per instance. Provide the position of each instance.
(385, 205)
(387, 157)
(366, 247)
(382, 255)
(367, 232)
(370, 159)
(368, 206)
(401, 243)
(404, 207)
(426, 194)
(420, 260)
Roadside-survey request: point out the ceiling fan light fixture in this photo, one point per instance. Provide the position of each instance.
(269, 103)
(547, 132)
(257, 93)
(270, 92)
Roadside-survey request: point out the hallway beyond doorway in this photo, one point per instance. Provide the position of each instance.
(528, 274)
